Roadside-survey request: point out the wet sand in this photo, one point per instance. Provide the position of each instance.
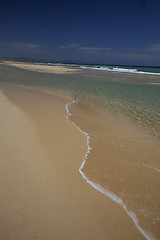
(125, 161)
(43, 196)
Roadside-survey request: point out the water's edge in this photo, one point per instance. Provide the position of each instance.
(97, 186)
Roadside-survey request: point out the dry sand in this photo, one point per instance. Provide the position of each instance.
(43, 196)
(42, 68)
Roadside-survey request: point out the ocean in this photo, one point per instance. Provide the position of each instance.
(135, 95)
(118, 109)
(112, 68)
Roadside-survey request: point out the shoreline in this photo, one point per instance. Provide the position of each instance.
(126, 163)
(99, 187)
(108, 212)
(55, 69)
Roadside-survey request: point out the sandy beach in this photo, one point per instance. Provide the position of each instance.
(43, 196)
(42, 68)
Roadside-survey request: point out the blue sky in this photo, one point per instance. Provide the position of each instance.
(106, 32)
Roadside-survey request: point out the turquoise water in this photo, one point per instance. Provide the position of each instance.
(136, 95)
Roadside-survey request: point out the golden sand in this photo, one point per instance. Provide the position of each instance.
(42, 68)
(43, 196)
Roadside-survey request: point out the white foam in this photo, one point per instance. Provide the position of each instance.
(99, 188)
(116, 69)
(155, 83)
(103, 68)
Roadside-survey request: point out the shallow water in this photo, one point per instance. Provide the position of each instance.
(137, 96)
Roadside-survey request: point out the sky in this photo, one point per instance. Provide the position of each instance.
(120, 32)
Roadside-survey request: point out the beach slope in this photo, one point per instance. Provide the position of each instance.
(43, 196)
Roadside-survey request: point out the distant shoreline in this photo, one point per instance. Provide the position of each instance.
(42, 68)
(67, 68)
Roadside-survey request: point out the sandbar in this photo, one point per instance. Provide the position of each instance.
(42, 68)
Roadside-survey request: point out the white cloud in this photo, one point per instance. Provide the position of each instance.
(20, 46)
(155, 47)
(68, 46)
(96, 49)
(88, 50)
(22, 50)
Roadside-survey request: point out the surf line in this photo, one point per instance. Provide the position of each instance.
(98, 187)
